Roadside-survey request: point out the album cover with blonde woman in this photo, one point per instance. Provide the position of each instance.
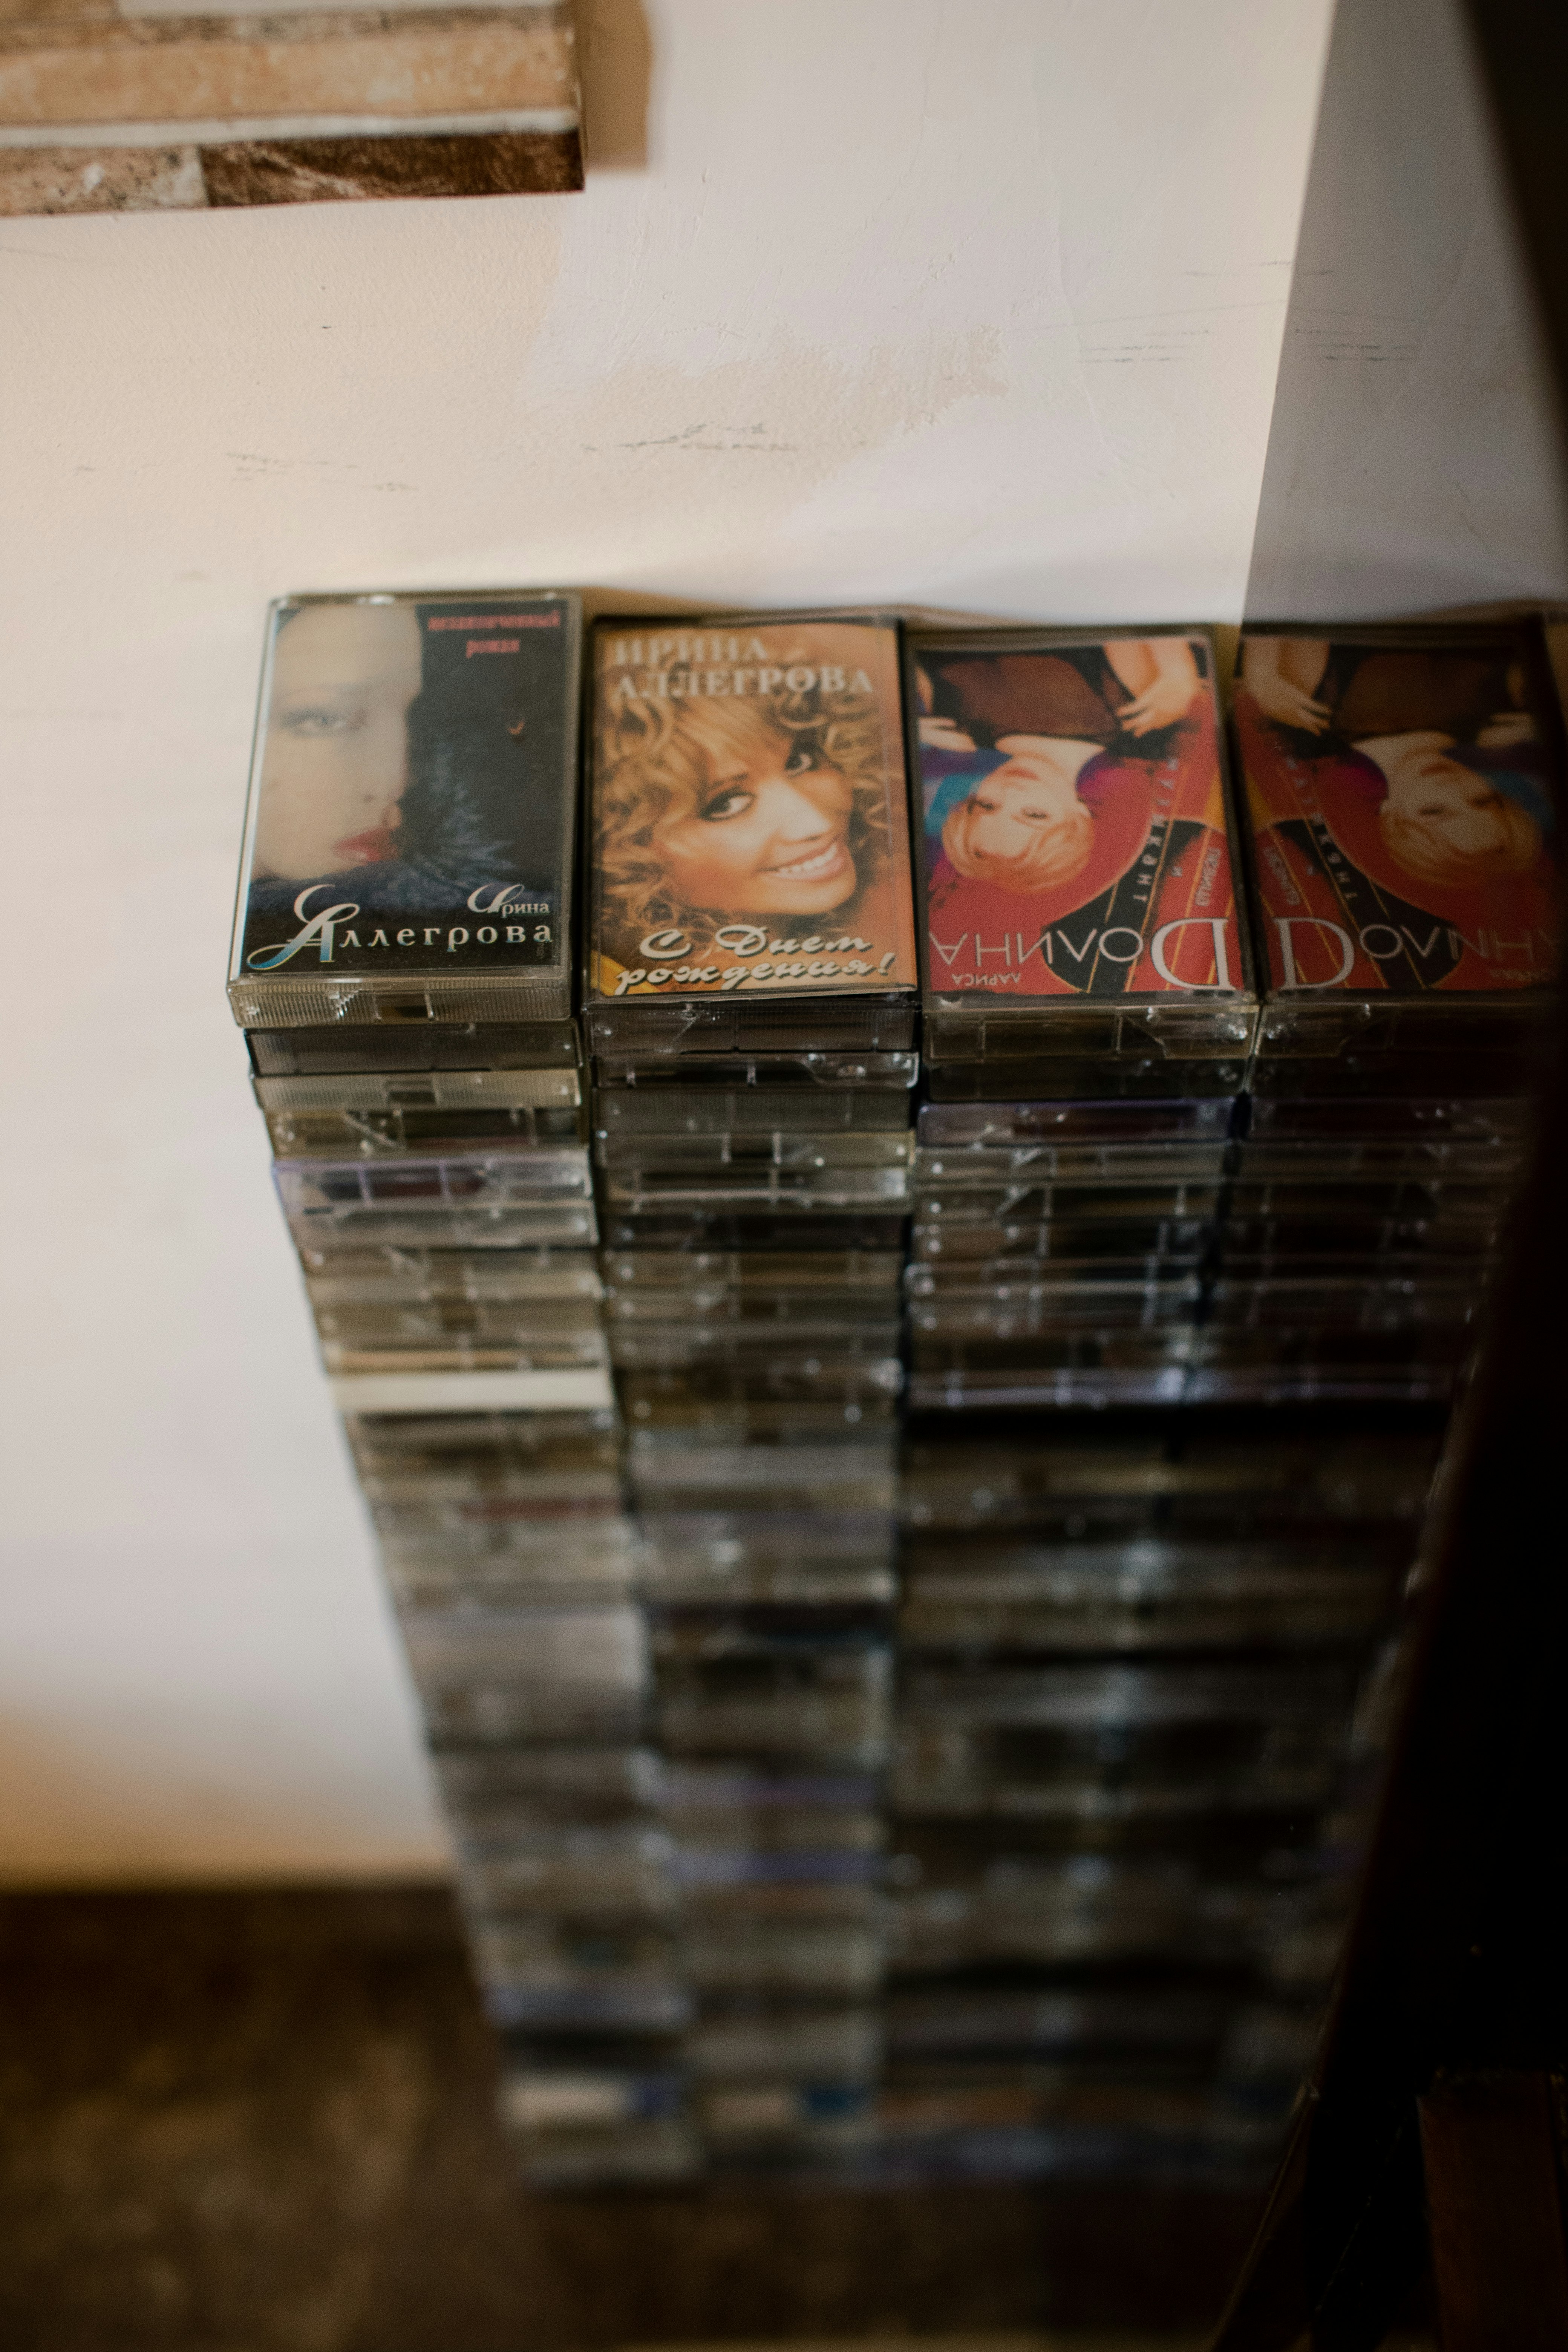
(1075, 839)
(409, 832)
(1402, 791)
(748, 818)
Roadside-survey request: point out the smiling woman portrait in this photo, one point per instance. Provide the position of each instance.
(720, 807)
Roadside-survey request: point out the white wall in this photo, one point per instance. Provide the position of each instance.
(971, 302)
(1412, 460)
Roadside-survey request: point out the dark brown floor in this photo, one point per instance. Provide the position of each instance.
(260, 2122)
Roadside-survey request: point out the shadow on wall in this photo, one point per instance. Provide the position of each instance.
(616, 68)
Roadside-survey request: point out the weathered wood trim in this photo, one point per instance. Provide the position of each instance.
(183, 113)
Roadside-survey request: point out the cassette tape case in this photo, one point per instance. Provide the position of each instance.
(408, 836)
(1080, 901)
(749, 836)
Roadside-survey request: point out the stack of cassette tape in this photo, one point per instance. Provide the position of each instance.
(1088, 1015)
(1401, 789)
(1132, 1643)
(403, 964)
(1131, 1648)
(750, 1011)
(892, 1669)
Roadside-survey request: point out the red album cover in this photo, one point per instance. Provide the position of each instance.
(1074, 819)
(1403, 805)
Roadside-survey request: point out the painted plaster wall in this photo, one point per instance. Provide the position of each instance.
(1412, 461)
(970, 302)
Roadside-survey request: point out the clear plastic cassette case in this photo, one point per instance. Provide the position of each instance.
(740, 1155)
(1076, 1742)
(950, 1169)
(968, 1198)
(736, 1693)
(725, 1573)
(749, 841)
(421, 1507)
(1332, 1304)
(611, 1871)
(944, 1296)
(1403, 788)
(980, 1388)
(762, 1188)
(562, 1975)
(435, 1576)
(1331, 1160)
(696, 1546)
(1497, 1123)
(865, 1274)
(449, 1388)
(844, 1477)
(493, 1792)
(413, 1046)
(474, 1200)
(704, 1231)
(970, 1908)
(545, 1675)
(1207, 1474)
(624, 1113)
(809, 1960)
(1079, 888)
(1011, 1125)
(381, 1280)
(1151, 1596)
(814, 1355)
(543, 1537)
(526, 1337)
(377, 1114)
(792, 2045)
(479, 1455)
(809, 1072)
(1119, 1059)
(1007, 1246)
(1319, 1366)
(785, 1314)
(408, 839)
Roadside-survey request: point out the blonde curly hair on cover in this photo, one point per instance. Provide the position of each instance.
(1423, 848)
(662, 756)
(1058, 850)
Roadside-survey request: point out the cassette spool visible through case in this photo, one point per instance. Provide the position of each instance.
(408, 836)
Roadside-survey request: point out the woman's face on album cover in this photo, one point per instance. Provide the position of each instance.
(1038, 787)
(1427, 783)
(768, 834)
(336, 761)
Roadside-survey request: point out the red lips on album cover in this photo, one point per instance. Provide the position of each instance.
(369, 848)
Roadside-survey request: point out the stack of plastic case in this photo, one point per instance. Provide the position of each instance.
(403, 964)
(1400, 791)
(1089, 1014)
(750, 1011)
(1130, 1650)
(1130, 1643)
